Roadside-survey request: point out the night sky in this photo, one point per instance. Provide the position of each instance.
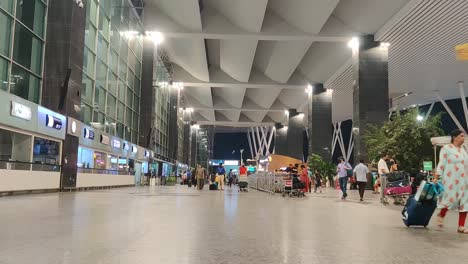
(226, 143)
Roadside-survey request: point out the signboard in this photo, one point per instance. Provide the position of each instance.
(462, 52)
(231, 162)
(427, 165)
(147, 153)
(126, 146)
(54, 122)
(104, 140)
(134, 149)
(89, 134)
(21, 111)
(116, 143)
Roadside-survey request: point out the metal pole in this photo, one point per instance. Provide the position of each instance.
(269, 140)
(429, 111)
(250, 144)
(449, 111)
(463, 98)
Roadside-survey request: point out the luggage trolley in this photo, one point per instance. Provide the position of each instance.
(290, 189)
(398, 187)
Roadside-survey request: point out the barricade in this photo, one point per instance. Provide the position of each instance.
(267, 182)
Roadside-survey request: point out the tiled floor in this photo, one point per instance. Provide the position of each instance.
(182, 225)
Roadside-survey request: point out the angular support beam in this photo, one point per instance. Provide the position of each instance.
(463, 98)
(449, 111)
(256, 36)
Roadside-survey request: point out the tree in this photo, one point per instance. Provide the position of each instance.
(404, 138)
(326, 168)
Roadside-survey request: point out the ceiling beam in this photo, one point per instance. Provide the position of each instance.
(256, 36)
(235, 124)
(243, 85)
(238, 109)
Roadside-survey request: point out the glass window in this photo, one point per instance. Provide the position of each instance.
(99, 98)
(138, 69)
(128, 134)
(100, 160)
(134, 136)
(98, 119)
(116, 17)
(46, 151)
(7, 5)
(114, 61)
(136, 103)
(131, 79)
(92, 12)
(85, 113)
(120, 112)
(24, 84)
(32, 14)
(129, 97)
(4, 74)
(85, 158)
(102, 48)
(136, 86)
(128, 118)
(111, 103)
(113, 162)
(123, 71)
(138, 49)
(112, 83)
(5, 32)
(90, 36)
(101, 73)
(27, 49)
(121, 90)
(120, 130)
(135, 121)
(103, 24)
(123, 50)
(87, 90)
(88, 62)
(16, 147)
(110, 126)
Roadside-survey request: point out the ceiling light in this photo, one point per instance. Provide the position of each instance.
(286, 112)
(309, 89)
(156, 36)
(353, 43)
(384, 44)
(420, 118)
(329, 91)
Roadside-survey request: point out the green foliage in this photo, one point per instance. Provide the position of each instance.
(404, 138)
(326, 168)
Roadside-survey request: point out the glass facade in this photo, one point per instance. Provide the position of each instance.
(161, 104)
(22, 31)
(111, 89)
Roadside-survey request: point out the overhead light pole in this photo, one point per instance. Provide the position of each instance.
(241, 161)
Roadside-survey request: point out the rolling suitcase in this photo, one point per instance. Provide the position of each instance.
(213, 187)
(418, 213)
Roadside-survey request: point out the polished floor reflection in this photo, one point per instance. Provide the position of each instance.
(182, 225)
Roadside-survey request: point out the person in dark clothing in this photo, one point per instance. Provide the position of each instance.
(231, 178)
(318, 181)
(289, 169)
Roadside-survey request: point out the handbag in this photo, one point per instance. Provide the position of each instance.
(349, 173)
(428, 191)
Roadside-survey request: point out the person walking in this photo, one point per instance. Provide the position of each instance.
(452, 167)
(383, 171)
(361, 171)
(221, 172)
(342, 170)
(318, 181)
(200, 176)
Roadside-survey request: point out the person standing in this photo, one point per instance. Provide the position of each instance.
(342, 170)
(383, 171)
(361, 171)
(221, 172)
(305, 178)
(452, 167)
(200, 176)
(189, 178)
(318, 181)
(231, 177)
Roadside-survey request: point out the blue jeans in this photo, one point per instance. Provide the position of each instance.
(343, 185)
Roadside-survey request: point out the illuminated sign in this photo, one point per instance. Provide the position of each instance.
(231, 162)
(134, 149)
(89, 134)
(104, 140)
(116, 143)
(126, 146)
(73, 127)
(147, 153)
(462, 52)
(21, 111)
(53, 122)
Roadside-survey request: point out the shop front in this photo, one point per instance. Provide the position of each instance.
(104, 160)
(31, 139)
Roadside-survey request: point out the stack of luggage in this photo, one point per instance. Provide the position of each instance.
(397, 184)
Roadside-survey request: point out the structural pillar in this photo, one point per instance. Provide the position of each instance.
(281, 140)
(147, 100)
(370, 90)
(187, 144)
(295, 136)
(193, 147)
(63, 66)
(320, 122)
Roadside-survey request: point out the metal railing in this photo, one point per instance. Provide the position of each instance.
(267, 181)
(104, 171)
(27, 166)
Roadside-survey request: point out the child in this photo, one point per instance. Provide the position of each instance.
(318, 181)
(377, 185)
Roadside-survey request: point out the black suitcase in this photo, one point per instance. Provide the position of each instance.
(213, 187)
(395, 176)
(243, 184)
(416, 213)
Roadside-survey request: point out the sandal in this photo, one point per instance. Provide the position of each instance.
(440, 221)
(462, 230)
